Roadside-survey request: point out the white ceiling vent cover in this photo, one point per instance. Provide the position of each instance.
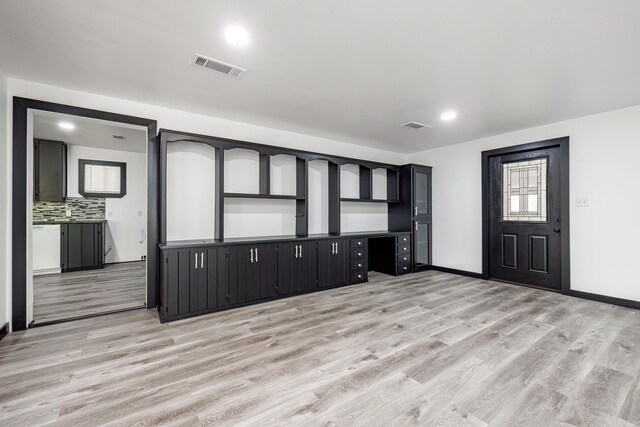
(219, 66)
(416, 125)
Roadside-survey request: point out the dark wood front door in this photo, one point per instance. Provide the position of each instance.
(525, 222)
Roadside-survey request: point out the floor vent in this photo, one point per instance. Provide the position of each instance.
(415, 125)
(218, 66)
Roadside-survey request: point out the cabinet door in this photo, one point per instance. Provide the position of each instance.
(287, 265)
(88, 244)
(50, 175)
(184, 266)
(267, 281)
(339, 263)
(421, 192)
(307, 262)
(71, 246)
(326, 251)
(422, 245)
(217, 279)
(197, 280)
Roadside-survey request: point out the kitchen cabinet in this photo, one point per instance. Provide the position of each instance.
(82, 246)
(297, 267)
(49, 171)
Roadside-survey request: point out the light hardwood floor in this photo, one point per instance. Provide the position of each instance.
(424, 349)
(81, 293)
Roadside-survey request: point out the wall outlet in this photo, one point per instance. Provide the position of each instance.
(582, 202)
(68, 213)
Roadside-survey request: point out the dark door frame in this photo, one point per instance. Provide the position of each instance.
(563, 144)
(19, 198)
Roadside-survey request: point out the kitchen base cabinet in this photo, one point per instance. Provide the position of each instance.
(297, 267)
(82, 246)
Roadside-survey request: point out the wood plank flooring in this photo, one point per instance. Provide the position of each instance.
(424, 349)
(81, 293)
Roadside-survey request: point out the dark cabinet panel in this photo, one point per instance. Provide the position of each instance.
(422, 245)
(333, 255)
(297, 267)
(82, 246)
(252, 273)
(49, 171)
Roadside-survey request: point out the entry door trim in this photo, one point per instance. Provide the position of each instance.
(19, 198)
(563, 144)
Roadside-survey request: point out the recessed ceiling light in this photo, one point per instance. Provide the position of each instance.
(447, 116)
(66, 125)
(237, 36)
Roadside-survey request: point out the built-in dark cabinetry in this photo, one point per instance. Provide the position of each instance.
(201, 276)
(414, 213)
(297, 267)
(49, 171)
(333, 255)
(82, 246)
(252, 272)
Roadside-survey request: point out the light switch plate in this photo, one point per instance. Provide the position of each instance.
(582, 202)
(68, 213)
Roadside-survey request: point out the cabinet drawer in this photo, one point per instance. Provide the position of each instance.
(404, 258)
(358, 264)
(358, 276)
(358, 253)
(403, 268)
(404, 249)
(358, 243)
(403, 239)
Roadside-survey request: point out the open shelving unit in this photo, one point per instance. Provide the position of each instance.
(297, 161)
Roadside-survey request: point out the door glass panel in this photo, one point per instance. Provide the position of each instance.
(421, 193)
(422, 243)
(524, 191)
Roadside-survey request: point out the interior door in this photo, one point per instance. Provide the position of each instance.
(524, 218)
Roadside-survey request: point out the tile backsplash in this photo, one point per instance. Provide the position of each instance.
(81, 208)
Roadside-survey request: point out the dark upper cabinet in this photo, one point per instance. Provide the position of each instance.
(49, 171)
(421, 191)
(333, 258)
(252, 272)
(297, 267)
(82, 246)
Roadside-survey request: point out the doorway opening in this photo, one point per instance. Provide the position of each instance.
(88, 200)
(525, 214)
(73, 169)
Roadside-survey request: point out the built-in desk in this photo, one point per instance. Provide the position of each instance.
(202, 276)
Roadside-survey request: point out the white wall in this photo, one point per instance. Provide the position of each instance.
(191, 177)
(5, 197)
(604, 159)
(126, 216)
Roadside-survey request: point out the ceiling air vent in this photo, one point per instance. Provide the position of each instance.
(415, 125)
(219, 66)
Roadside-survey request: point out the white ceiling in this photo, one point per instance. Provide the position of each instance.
(89, 132)
(348, 70)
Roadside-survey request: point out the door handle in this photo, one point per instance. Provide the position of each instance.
(333, 248)
(196, 263)
(415, 210)
(296, 246)
(300, 246)
(201, 259)
(251, 250)
(556, 229)
(256, 254)
(336, 248)
(416, 225)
